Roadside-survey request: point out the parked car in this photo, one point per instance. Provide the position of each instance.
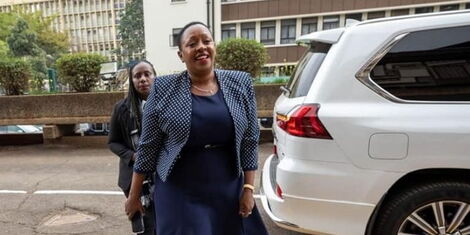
(20, 129)
(92, 129)
(372, 132)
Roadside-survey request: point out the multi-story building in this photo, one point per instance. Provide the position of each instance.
(275, 23)
(90, 24)
(163, 20)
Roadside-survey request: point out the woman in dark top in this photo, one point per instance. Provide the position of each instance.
(200, 135)
(126, 128)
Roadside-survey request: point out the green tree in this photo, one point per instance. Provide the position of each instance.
(7, 21)
(4, 50)
(23, 41)
(53, 43)
(14, 75)
(241, 54)
(80, 70)
(131, 30)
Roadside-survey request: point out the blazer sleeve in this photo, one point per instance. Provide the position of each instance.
(249, 142)
(151, 138)
(116, 141)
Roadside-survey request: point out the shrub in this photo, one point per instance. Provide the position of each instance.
(241, 54)
(14, 76)
(80, 70)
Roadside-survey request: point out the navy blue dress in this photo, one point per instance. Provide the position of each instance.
(201, 195)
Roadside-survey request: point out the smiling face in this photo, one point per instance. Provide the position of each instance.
(197, 50)
(142, 78)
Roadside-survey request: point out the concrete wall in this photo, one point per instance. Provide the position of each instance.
(72, 108)
(68, 108)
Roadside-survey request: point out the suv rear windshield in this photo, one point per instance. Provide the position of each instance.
(307, 68)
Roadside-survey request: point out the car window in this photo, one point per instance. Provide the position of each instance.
(430, 65)
(29, 128)
(14, 129)
(307, 68)
(3, 130)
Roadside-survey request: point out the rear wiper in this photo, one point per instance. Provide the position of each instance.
(286, 90)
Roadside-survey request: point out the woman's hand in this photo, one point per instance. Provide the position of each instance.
(247, 202)
(132, 206)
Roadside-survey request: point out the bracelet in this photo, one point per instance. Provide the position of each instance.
(249, 186)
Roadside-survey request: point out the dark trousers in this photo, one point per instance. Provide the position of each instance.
(149, 218)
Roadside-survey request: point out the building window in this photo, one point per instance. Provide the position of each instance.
(228, 31)
(467, 6)
(268, 32)
(452, 7)
(421, 10)
(354, 16)
(309, 25)
(330, 22)
(174, 37)
(400, 12)
(288, 31)
(268, 71)
(375, 15)
(248, 30)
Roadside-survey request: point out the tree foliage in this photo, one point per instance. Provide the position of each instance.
(80, 70)
(4, 50)
(14, 76)
(7, 21)
(241, 54)
(23, 41)
(131, 30)
(53, 43)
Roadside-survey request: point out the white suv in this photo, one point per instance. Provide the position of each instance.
(372, 132)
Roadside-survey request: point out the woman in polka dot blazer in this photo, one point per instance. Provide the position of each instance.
(200, 134)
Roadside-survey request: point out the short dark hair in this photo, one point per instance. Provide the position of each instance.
(180, 35)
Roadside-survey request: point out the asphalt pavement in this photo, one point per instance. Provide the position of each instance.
(70, 188)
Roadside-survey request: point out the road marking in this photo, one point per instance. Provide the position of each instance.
(13, 192)
(78, 192)
(257, 196)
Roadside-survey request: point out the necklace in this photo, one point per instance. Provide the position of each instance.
(210, 91)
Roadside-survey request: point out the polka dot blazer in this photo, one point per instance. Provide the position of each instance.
(167, 120)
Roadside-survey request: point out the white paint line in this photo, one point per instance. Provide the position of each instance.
(257, 196)
(78, 192)
(13, 192)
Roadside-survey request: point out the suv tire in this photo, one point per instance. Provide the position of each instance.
(423, 203)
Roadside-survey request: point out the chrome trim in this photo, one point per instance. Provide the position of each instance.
(363, 75)
(328, 200)
(278, 221)
(285, 90)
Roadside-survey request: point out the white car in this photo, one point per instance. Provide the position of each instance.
(20, 129)
(372, 132)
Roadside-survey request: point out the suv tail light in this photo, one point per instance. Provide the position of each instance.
(303, 122)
